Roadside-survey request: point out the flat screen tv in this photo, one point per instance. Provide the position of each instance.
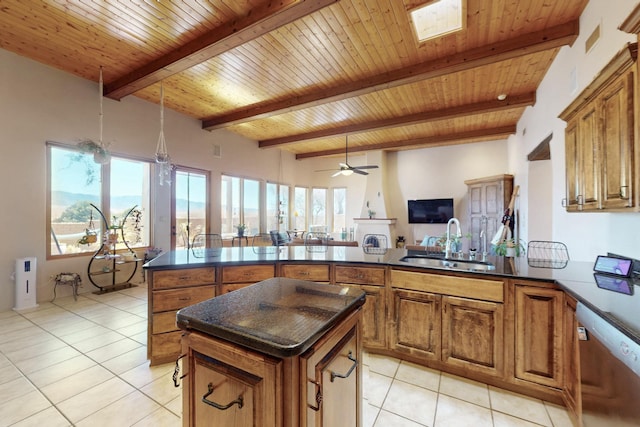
(430, 211)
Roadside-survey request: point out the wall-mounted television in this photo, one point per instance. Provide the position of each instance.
(430, 211)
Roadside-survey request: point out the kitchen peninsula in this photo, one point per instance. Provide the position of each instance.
(479, 325)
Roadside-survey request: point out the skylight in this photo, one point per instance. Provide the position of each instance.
(437, 18)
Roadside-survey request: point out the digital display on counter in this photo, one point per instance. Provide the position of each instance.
(613, 265)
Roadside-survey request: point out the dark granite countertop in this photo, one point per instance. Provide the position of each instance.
(280, 317)
(617, 303)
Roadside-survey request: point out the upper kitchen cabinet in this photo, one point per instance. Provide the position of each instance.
(600, 139)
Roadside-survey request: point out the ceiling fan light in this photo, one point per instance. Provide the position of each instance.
(347, 172)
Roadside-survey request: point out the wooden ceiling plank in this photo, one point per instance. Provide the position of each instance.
(523, 45)
(260, 21)
(433, 141)
(513, 102)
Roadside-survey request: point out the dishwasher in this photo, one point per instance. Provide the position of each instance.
(610, 373)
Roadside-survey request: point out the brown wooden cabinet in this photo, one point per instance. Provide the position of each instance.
(169, 291)
(539, 334)
(372, 281)
(458, 321)
(599, 139)
(488, 198)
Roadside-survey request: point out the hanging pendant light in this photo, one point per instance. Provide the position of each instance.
(163, 161)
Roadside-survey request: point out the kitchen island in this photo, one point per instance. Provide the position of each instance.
(279, 353)
(512, 327)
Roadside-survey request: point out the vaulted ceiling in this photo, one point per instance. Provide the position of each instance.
(302, 74)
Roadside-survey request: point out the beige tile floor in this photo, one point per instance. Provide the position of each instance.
(83, 363)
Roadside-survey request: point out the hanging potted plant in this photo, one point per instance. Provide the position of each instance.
(100, 153)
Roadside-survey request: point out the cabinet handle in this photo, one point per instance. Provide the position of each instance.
(318, 396)
(355, 363)
(580, 200)
(564, 202)
(238, 401)
(176, 372)
(184, 299)
(623, 192)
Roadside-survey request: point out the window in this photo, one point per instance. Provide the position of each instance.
(318, 209)
(339, 210)
(277, 207)
(190, 207)
(299, 208)
(76, 182)
(240, 204)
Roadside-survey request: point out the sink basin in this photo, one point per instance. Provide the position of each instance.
(453, 264)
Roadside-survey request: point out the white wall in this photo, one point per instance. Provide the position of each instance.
(585, 234)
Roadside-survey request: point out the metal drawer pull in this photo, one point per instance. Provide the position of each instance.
(239, 400)
(318, 396)
(355, 363)
(176, 372)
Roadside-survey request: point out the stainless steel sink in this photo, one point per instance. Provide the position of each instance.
(453, 264)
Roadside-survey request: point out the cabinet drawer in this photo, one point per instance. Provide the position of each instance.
(175, 299)
(482, 289)
(164, 322)
(244, 274)
(185, 277)
(315, 273)
(360, 275)
(165, 347)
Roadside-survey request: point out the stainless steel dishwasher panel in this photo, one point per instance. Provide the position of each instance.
(609, 371)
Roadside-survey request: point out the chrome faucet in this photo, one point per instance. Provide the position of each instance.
(447, 245)
(483, 236)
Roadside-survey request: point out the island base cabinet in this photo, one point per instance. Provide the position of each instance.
(226, 385)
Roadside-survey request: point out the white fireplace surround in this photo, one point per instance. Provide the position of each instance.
(385, 226)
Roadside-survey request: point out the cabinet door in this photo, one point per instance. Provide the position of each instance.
(571, 162)
(617, 144)
(223, 396)
(588, 167)
(472, 335)
(539, 335)
(373, 317)
(417, 324)
(218, 375)
(332, 372)
(571, 391)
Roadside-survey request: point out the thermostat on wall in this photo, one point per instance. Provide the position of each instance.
(613, 265)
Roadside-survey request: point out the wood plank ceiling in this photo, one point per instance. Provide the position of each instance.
(301, 74)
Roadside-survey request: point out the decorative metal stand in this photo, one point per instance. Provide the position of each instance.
(107, 262)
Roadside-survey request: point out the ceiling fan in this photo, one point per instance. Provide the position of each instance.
(345, 168)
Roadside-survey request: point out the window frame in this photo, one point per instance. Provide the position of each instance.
(104, 196)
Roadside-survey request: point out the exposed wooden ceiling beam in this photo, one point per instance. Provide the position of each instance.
(527, 44)
(261, 20)
(430, 141)
(512, 102)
